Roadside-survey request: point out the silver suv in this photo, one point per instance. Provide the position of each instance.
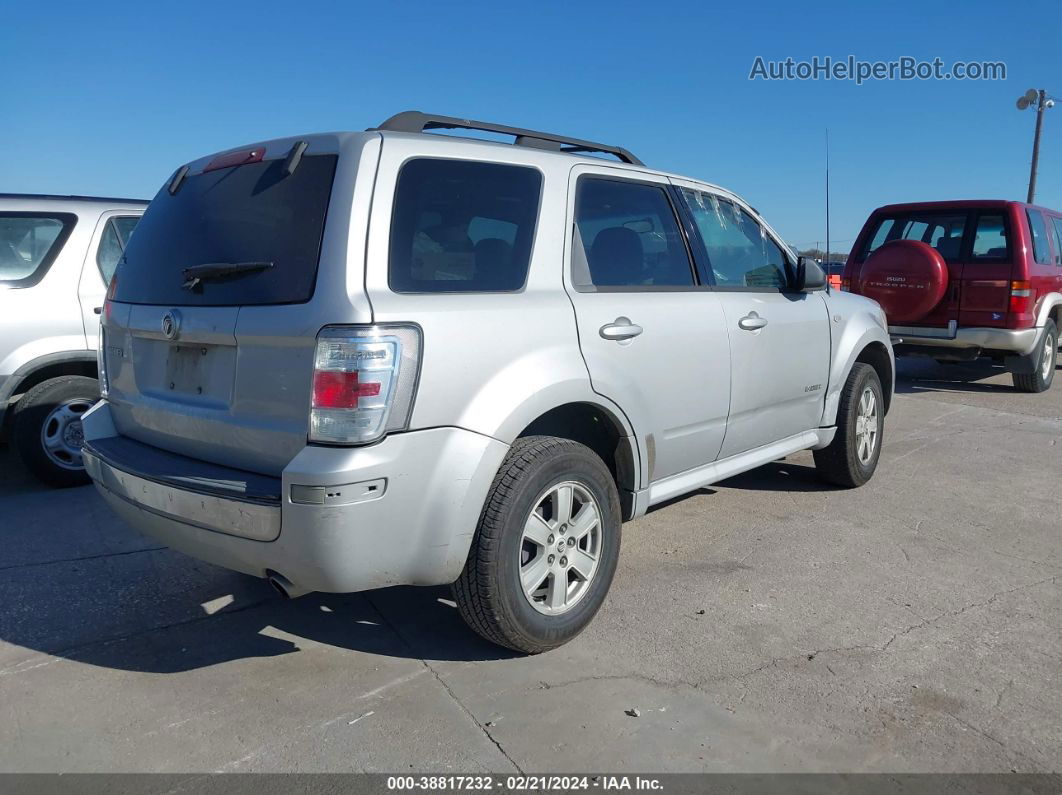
(57, 254)
(356, 360)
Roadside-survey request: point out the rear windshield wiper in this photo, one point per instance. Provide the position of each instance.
(217, 270)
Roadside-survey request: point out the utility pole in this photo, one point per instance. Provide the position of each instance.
(1042, 102)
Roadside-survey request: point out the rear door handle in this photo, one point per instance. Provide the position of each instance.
(752, 322)
(620, 329)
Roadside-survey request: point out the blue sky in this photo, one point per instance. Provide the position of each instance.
(108, 98)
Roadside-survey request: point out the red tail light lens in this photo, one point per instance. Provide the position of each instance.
(334, 390)
(109, 297)
(236, 159)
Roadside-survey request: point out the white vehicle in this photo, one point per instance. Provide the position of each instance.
(57, 254)
(354, 360)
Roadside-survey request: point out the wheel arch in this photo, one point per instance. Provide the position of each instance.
(877, 356)
(601, 429)
(1051, 310)
(865, 343)
(44, 368)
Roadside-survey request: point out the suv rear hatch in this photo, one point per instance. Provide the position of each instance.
(973, 240)
(212, 318)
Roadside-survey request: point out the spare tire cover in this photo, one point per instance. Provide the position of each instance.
(907, 277)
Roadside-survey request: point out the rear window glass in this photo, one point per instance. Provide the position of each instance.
(231, 216)
(1041, 248)
(462, 226)
(29, 243)
(942, 231)
(990, 240)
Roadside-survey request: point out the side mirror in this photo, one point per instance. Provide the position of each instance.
(809, 275)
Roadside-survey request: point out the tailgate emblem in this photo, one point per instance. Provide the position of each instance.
(171, 324)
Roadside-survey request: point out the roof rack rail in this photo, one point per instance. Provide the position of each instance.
(415, 122)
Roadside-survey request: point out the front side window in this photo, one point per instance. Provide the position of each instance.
(990, 239)
(942, 231)
(1041, 248)
(112, 244)
(740, 251)
(628, 236)
(462, 226)
(29, 243)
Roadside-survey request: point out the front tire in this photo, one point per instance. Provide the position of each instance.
(852, 456)
(1039, 380)
(47, 428)
(546, 547)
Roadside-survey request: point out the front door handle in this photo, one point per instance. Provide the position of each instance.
(620, 329)
(752, 322)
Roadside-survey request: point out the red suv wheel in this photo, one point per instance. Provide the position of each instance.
(907, 277)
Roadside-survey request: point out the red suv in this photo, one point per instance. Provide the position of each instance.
(963, 279)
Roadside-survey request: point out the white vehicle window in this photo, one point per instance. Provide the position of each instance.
(29, 242)
(462, 226)
(630, 237)
(112, 245)
(740, 252)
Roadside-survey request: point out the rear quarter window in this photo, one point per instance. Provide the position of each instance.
(1041, 248)
(29, 244)
(462, 226)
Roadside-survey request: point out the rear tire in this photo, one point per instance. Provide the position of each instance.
(852, 456)
(1039, 380)
(47, 428)
(546, 548)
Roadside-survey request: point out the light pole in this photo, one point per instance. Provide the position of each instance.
(1042, 102)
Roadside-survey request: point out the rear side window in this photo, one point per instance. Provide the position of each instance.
(462, 226)
(629, 237)
(1041, 248)
(740, 251)
(1056, 223)
(243, 214)
(990, 240)
(942, 231)
(29, 243)
(112, 244)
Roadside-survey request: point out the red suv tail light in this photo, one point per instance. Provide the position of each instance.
(363, 382)
(1021, 297)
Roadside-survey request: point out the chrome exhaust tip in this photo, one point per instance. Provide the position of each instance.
(284, 586)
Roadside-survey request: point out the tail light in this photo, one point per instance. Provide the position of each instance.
(101, 344)
(363, 382)
(101, 362)
(1020, 297)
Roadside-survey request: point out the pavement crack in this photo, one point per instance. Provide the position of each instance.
(442, 682)
(85, 557)
(879, 649)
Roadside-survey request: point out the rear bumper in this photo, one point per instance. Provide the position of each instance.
(1014, 341)
(413, 527)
